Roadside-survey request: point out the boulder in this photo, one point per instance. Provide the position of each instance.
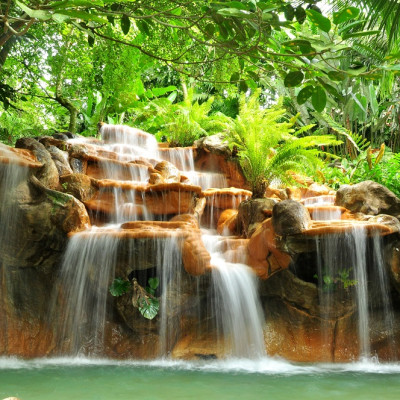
(290, 217)
(217, 144)
(80, 186)
(368, 197)
(227, 222)
(252, 212)
(48, 174)
(264, 255)
(168, 172)
(60, 159)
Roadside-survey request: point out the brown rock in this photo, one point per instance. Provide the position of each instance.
(252, 212)
(168, 171)
(47, 174)
(290, 217)
(21, 157)
(195, 257)
(368, 197)
(227, 222)
(264, 256)
(79, 185)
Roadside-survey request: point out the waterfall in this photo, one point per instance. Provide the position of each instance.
(236, 303)
(86, 274)
(351, 273)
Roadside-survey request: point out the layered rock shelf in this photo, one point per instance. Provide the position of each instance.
(138, 200)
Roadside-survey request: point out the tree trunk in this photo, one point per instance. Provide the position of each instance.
(66, 103)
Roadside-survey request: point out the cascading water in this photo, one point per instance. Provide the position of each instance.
(236, 304)
(351, 273)
(86, 273)
(92, 256)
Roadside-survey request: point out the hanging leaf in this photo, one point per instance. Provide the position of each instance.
(318, 98)
(147, 304)
(119, 287)
(154, 282)
(319, 20)
(125, 24)
(345, 15)
(293, 79)
(149, 307)
(235, 77)
(143, 27)
(289, 12)
(90, 40)
(305, 94)
(243, 85)
(300, 14)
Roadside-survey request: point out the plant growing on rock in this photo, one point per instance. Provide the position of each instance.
(270, 148)
(142, 299)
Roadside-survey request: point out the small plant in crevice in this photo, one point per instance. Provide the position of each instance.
(142, 298)
(341, 279)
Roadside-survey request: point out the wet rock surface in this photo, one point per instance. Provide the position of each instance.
(368, 197)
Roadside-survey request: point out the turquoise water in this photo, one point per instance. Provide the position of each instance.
(64, 379)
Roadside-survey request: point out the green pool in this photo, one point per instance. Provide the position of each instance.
(59, 379)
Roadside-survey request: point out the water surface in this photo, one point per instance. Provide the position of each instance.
(64, 379)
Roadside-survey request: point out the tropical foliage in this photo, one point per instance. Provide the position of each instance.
(270, 149)
(69, 64)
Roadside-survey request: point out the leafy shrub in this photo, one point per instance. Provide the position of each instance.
(269, 148)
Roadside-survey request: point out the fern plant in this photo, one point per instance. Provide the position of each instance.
(269, 148)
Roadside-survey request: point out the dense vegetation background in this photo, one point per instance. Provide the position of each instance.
(185, 69)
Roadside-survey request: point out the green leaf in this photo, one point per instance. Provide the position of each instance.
(293, 79)
(125, 24)
(76, 3)
(300, 14)
(149, 308)
(395, 67)
(337, 76)
(143, 27)
(154, 282)
(119, 287)
(345, 15)
(289, 12)
(318, 98)
(234, 78)
(243, 85)
(233, 12)
(59, 18)
(162, 90)
(41, 15)
(210, 29)
(305, 94)
(83, 15)
(359, 34)
(90, 41)
(319, 20)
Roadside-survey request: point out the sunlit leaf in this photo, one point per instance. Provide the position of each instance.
(319, 20)
(41, 15)
(345, 15)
